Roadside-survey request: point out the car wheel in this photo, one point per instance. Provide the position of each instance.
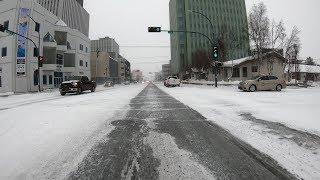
(62, 93)
(79, 91)
(252, 88)
(279, 87)
(93, 89)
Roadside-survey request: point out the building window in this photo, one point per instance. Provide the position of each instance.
(254, 69)
(50, 79)
(236, 72)
(81, 63)
(86, 49)
(6, 24)
(86, 64)
(0, 81)
(44, 79)
(59, 59)
(244, 72)
(37, 27)
(4, 52)
(35, 52)
(81, 47)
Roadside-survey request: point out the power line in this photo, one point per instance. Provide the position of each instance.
(145, 46)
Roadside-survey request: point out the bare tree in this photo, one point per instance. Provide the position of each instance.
(277, 34)
(292, 47)
(259, 25)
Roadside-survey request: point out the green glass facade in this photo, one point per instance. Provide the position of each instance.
(230, 26)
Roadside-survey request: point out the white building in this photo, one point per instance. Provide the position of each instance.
(66, 50)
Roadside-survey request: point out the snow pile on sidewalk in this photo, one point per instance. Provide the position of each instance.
(45, 135)
(295, 108)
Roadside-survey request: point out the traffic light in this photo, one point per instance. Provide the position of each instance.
(154, 29)
(215, 53)
(40, 61)
(2, 28)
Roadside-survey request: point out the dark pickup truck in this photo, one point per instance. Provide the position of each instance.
(77, 84)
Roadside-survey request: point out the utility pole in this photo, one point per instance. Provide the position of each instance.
(97, 60)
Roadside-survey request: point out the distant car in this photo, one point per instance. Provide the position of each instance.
(263, 83)
(77, 84)
(108, 84)
(172, 81)
(126, 83)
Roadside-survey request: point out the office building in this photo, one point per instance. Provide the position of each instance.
(69, 11)
(230, 24)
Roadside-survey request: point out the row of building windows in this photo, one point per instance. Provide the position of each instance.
(81, 63)
(236, 71)
(44, 79)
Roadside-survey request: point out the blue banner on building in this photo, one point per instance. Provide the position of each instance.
(22, 42)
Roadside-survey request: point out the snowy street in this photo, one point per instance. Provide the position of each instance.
(147, 131)
(46, 135)
(284, 125)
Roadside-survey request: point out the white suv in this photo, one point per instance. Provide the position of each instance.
(172, 81)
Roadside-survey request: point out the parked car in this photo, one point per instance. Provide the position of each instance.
(172, 81)
(108, 84)
(77, 84)
(263, 83)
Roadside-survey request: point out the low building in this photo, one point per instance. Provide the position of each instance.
(66, 50)
(128, 70)
(246, 68)
(166, 70)
(137, 75)
(303, 72)
(122, 69)
(100, 66)
(116, 62)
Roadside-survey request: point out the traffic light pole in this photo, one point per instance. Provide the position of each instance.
(215, 64)
(38, 51)
(212, 44)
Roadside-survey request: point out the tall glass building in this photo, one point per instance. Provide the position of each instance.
(230, 26)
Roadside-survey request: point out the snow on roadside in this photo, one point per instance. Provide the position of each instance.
(296, 108)
(47, 138)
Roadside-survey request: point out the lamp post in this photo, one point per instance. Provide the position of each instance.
(38, 51)
(211, 24)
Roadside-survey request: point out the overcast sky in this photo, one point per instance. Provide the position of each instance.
(127, 22)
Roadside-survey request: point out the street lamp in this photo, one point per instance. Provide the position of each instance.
(213, 47)
(38, 51)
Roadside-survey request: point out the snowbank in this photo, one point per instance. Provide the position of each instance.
(44, 135)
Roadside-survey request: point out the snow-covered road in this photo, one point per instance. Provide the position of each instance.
(45, 135)
(285, 125)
